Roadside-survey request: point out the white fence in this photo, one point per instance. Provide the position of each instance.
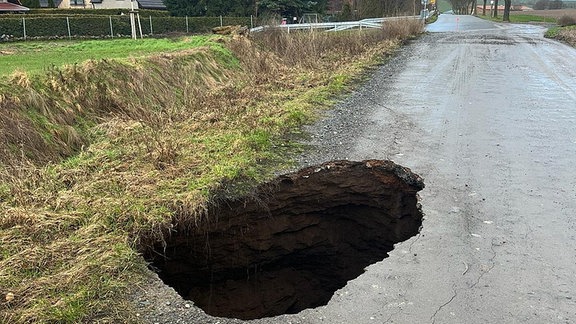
(337, 26)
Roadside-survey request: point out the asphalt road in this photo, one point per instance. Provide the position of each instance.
(486, 113)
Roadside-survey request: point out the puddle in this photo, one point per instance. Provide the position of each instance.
(296, 241)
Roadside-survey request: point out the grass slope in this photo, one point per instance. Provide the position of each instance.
(101, 159)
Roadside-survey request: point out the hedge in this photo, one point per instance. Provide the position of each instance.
(47, 27)
(94, 12)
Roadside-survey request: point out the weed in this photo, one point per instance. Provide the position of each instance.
(566, 20)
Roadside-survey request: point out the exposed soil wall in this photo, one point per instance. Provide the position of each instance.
(294, 242)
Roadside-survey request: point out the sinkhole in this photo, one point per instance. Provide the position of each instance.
(295, 241)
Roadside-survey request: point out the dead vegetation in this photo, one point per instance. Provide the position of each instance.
(568, 35)
(101, 159)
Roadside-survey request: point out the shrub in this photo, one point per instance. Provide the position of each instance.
(566, 20)
(541, 5)
(99, 26)
(93, 12)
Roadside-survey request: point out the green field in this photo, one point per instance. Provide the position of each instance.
(520, 18)
(37, 56)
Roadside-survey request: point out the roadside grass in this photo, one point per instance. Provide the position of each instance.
(102, 159)
(37, 56)
(566, 34)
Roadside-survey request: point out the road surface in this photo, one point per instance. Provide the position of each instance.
(486, 113)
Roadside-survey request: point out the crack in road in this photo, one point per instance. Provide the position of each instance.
(455, 293)
(433, 317)
(493, 264)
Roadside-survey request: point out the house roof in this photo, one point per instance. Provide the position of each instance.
(151, 4)
(9, 7)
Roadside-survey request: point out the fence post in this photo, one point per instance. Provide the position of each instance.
(220, 20)
(68, 26)
(151, 31)
(24, 27)
(251, 21)
(111, 29)
(139, 25)
(187, 29)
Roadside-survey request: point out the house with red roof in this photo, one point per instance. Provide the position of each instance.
(104, 4)
(11, 7)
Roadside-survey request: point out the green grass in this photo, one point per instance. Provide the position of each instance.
(36, 56)
(520, 18)
(566, 34)
(552, 32)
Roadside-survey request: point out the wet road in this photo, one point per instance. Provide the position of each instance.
(486, 113)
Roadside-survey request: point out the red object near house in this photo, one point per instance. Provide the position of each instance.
(11, 7)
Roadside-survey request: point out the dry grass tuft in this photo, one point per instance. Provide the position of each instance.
(402, 29)
(569, 36)
(100, 161)
(19, 78)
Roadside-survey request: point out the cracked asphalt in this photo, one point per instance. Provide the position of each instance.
(486, 114)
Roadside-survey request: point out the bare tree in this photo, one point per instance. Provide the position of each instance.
(473, 7)
(463, 7)
(495, 13)
(507, 6)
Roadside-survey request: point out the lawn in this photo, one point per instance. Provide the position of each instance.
(549, 14)
(36, 56)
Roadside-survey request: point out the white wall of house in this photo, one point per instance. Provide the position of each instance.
(74, 4)
(113, 4)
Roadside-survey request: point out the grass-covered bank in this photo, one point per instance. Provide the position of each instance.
(102, 158)
(35, 57)
(566, 34)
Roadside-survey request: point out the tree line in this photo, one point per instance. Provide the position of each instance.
(345, 9)
(349, 9)
(243, 8)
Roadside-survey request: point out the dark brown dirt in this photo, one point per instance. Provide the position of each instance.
(296, 241)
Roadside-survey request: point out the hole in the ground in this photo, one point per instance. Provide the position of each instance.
(296, 241)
